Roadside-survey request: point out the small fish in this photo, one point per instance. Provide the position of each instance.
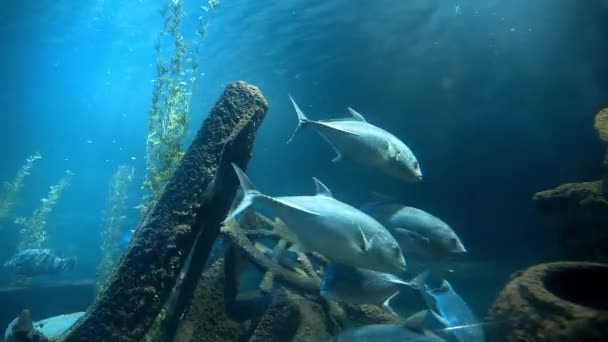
(364, 143)
(34, 262)
(449, 308)
(340, 232)
(419, 233)
(386, 333)
(360, 286)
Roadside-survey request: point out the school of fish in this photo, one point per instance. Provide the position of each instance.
(367, 247)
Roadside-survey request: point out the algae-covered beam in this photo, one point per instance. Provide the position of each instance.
(196, 199)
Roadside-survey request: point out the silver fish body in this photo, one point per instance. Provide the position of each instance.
(448, 306)
(38, 261)
(419, 233)
(360, 286)
(366, 144)
(386, 333)
(340, 232)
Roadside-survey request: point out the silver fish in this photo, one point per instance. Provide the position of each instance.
(419, 233)
(39, 261)
(364, 143)
(360, 286)
(450, 309)
(340, 232)
(386, 333)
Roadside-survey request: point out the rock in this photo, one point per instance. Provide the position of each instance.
(562, 301)
(574, 203)
(292, 317)
(206, 319)
(580, 213)
(194, 201)
(601, 125)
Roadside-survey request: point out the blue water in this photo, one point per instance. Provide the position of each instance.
(496, 99)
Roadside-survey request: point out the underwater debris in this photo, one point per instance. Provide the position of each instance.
(580, 210)
(194, 201)
(560, 301)
(113, 221)
(33, 232)
(302, 277)
(11, 189)
(206, 319)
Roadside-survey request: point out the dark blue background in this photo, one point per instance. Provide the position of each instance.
(496, 98)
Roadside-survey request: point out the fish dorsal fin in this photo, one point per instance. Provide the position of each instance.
(393, 279)
(322, 189)
(356, 115)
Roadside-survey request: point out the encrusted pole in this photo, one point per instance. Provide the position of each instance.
(196, 199)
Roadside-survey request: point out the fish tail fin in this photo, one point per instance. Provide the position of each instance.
(249, 193)
(302, 119)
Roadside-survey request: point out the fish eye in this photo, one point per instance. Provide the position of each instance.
(416, 165)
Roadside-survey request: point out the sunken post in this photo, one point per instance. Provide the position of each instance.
(196, 200)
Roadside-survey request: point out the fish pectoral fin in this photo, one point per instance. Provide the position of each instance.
(439, 319)
(322, 189)
(338, 156)
(413, 235)
(297, 248)
(296, 207)
(387, 303)
(365, 242)
(356, 115)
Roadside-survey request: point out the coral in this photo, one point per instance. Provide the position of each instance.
(561, 301)
(33, 232)
(169, 113)
(113, 221)
(193, 203)
(11, 189)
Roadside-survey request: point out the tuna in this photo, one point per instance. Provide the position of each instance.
(448, 308)
(419, 233)
(364, 143)
(360, 286)
(340, 232)
(386, 333)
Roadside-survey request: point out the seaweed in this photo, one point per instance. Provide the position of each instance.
(169, 113)
(33, 232)
(113, 221)
(11, 189)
